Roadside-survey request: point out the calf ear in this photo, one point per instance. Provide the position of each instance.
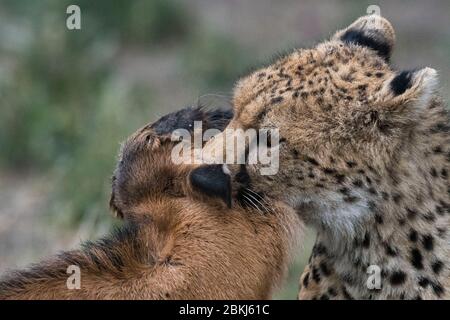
(373, 32)
(212, 181)
(117, 213)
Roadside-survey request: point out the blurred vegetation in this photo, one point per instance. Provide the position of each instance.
(63, 110)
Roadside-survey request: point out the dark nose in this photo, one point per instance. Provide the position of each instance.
(242, 176)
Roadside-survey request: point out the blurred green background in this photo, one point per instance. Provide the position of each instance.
(69, 97)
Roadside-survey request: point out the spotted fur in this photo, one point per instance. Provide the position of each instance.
(364, 159)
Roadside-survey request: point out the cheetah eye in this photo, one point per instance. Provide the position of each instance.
(272, 140)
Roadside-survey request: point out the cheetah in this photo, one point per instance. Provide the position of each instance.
(173, 245)
(363, 158)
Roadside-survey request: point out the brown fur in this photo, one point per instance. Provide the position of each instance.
(364, 158)
(173, 245)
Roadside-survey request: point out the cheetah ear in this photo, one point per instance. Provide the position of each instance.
(212, 181)
(404, 97)
(373, 32)
(411, 89)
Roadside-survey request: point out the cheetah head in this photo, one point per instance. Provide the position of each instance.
(344, 115)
